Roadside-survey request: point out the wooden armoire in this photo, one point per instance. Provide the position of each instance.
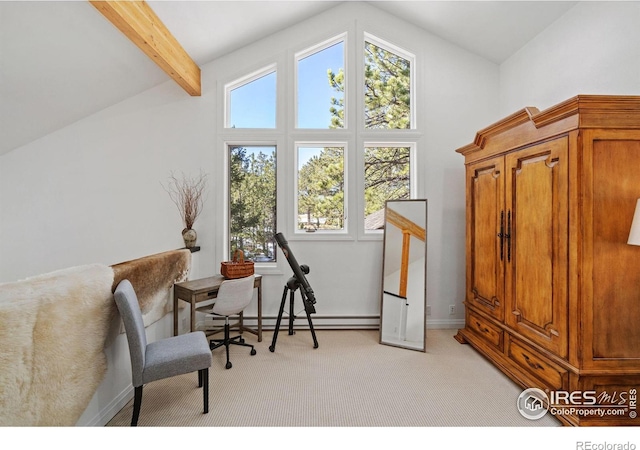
(552, 287)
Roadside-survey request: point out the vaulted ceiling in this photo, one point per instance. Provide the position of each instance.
(61, 61)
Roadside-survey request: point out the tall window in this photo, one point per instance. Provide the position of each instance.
(252, 201)
(387, 87)
(320, 86)
(387, 106)
(327, 137)
(251, 101)
(321, 187)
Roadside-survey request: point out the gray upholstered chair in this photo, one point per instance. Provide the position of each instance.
(233, 297)
(165, 358)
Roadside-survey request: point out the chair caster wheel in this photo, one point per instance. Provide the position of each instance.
(272, 348)
(242, 340)
(253, 351)
(228, 366)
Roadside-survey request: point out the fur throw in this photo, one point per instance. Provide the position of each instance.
(152, 278)
(54, 328)
(52, 334)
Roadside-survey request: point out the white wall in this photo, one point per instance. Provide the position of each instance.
(65, 209)
(457, 96)
(592, 49)
(91, 192)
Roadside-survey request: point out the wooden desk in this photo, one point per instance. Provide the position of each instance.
(196, 291)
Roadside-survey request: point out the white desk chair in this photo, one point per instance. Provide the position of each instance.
(233, 297)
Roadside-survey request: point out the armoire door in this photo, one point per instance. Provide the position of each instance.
(485, 245)
(536, 272)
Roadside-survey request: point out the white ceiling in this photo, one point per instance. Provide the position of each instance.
(62, 60)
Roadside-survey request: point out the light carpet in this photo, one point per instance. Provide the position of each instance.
(349, 381)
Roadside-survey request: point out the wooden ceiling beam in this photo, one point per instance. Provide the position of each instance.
(142, 26)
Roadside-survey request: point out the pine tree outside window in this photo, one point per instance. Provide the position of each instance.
(318, 129)
(321, 187)
(252, 202)
(387, 86)
(320, 104)
(387, 175)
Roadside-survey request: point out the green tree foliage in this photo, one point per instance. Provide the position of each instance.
(336, 81)
(252, 202)
(387, 91)
(387, 105)
(386, 172)
(387, 82)
(321, 179)
(321, 190)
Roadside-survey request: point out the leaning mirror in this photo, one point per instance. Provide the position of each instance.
(404, 275)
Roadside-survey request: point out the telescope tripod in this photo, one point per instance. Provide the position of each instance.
(291, 287)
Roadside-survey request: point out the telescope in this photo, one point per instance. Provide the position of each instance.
(299, 271)
(298, 280)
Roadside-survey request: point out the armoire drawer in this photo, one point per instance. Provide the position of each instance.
(535, 363)
(488, 331)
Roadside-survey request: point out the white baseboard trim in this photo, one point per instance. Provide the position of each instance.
(321, 322)
(109, 411)
(446, 324)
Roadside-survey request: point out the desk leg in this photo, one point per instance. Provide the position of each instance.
(193, 312)
(175, 314)
(260, 312)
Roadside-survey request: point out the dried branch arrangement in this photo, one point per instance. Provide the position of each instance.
(187, 193)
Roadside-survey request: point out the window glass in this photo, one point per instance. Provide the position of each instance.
(387, 177)
(253, 104)
(321, 190)
(252, 202)
(320, 180)
(387, 89)
(320, 83)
